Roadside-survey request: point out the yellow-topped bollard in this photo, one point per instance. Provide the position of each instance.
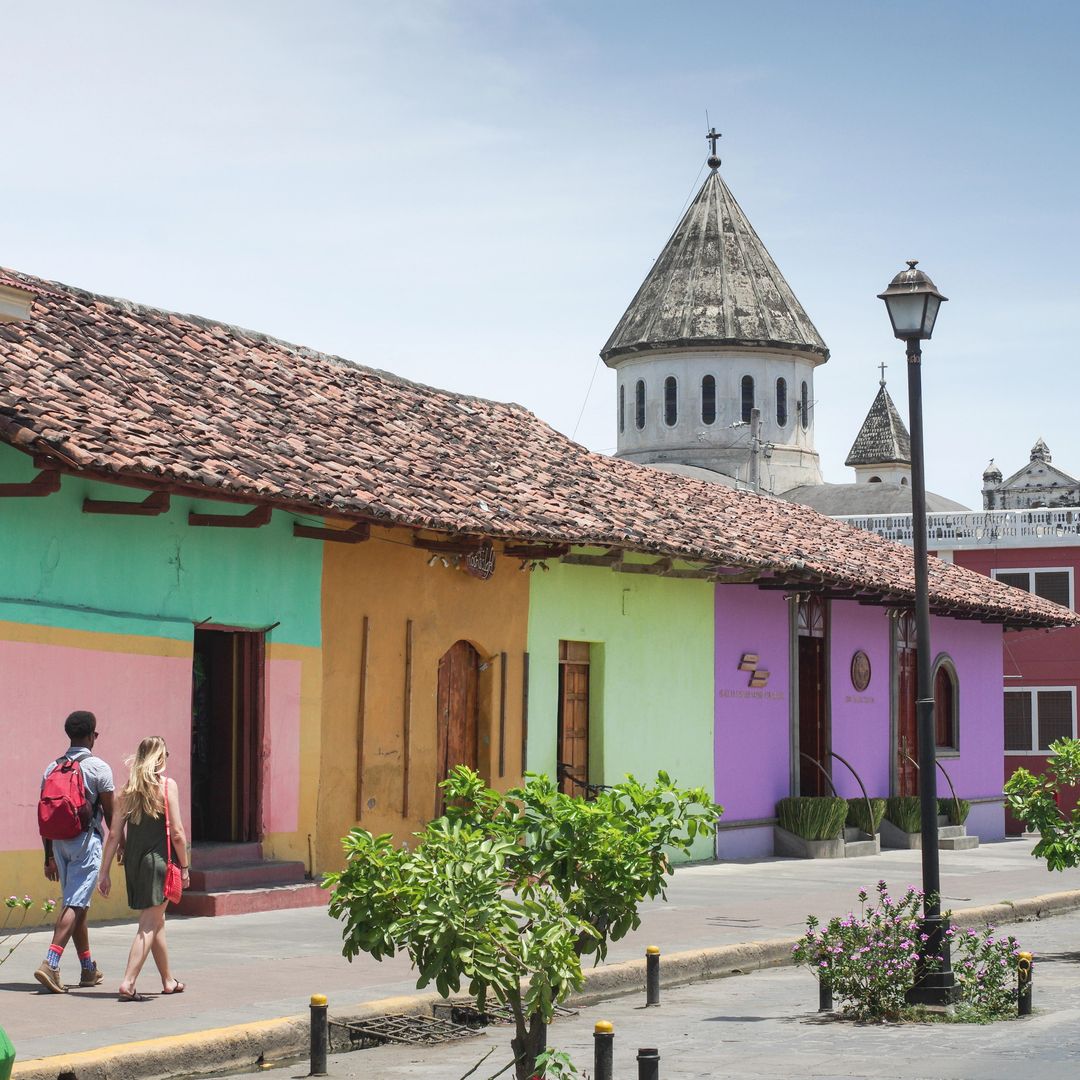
(603, 1049)
(320, 1028)
(1023, 984)
(652, 976)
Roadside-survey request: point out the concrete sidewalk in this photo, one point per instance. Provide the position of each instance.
(251, 969)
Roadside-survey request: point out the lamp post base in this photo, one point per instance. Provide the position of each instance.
(935, 986)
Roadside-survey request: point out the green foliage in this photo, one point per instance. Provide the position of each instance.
(949, 808)
(871, 959)
(8, 931)
(905, 812)
(857, 815)
(555, 1065)
(1033, 799)
(507, 892)
(818, 818)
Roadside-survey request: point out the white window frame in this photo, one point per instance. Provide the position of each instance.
(1032, 691)
(1031, 571)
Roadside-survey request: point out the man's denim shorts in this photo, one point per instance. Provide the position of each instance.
(78, 862)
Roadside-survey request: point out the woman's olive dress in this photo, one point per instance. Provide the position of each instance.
(144, 862)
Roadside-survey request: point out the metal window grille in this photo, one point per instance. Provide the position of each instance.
(1055, 716)
(1053, 585)
(1017, 720)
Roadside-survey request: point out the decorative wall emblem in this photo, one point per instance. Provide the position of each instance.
(758, 676)
(481, 562)
(860, 670)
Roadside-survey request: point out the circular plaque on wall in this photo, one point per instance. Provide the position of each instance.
(860, 671)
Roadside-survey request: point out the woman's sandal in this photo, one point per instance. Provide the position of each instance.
(133, 996)
(178, 988)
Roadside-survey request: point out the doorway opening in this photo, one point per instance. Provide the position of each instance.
(907, 726)
(227, 695)
(814, 737)
(458, 714)
(573, 732)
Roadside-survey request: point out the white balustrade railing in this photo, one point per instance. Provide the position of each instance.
(980, 528)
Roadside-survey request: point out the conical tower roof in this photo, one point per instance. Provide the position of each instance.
(714, 284)
(882, 439)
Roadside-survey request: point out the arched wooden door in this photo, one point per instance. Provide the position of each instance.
(815, 765)
(458, 713)
(907, 728)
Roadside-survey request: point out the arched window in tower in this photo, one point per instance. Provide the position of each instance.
(639, 404)
(671, 401)
(804, 403)
(781, 402)
(708, 400)
(747, 397)
(622, 408)
(946, 711)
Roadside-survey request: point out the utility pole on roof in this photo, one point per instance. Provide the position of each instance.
(755, 449)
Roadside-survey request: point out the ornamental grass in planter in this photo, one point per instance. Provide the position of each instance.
(948, 808)
(812, 818)
(905, 813)
(857, 815)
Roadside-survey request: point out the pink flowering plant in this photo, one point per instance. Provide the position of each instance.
(870, 960)
(16, 908)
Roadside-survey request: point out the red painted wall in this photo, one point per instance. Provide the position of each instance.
(1034, 657)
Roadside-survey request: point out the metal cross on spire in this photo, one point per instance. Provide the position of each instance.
(711, 138)
(883, 366)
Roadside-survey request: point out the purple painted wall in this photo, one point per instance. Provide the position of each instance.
(752, 725)
(860, 721)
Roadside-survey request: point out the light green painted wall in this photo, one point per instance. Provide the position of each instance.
(651, 678)
(149, 575)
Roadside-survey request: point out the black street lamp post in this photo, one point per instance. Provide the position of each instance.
(913, 303)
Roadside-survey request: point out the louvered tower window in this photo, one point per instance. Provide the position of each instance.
(747, 397)
(708, 400)
(639, 404)
(805, 402)
(671, 401)
(781, 402)
(622, 409)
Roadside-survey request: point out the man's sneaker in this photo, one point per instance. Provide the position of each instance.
(49, 977)
(91, 976)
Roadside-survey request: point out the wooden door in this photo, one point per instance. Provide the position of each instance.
(907, 727)
(573, 730)
(814, 741)
(457, 719)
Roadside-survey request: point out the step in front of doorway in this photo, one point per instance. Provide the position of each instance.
(245, 901)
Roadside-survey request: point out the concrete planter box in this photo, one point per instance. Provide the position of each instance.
(788, 845)
(894, 837)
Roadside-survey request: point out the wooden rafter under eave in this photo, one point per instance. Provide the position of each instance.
(357, 534)
(45, 483)
(253, 519)
(157, 502)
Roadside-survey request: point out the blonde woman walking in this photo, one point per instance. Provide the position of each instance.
(141, 814)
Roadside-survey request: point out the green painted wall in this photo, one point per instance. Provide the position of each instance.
(651, 675)
(149, 575)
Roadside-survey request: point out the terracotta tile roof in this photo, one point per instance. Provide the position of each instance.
(125, 391)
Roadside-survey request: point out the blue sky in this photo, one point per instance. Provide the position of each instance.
(468, 193)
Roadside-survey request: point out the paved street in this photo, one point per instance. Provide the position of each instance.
(765, 1025)
(243, 969)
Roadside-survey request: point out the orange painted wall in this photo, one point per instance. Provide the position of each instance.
(389, 581)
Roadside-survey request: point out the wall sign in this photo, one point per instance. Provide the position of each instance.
(860, 670)
(481, 562)
(758, 676)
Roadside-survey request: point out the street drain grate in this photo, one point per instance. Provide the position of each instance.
(413, 1030)
(464, 1011)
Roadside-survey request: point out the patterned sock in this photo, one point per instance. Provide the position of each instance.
(52, 957)
(87, 963)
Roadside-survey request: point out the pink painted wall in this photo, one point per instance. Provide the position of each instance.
(281, 758)
(860, 721)
(752, 726)
(132, 696)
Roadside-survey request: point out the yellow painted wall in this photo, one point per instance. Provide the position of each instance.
(389, 581)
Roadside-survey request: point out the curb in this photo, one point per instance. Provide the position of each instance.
(249, 1045)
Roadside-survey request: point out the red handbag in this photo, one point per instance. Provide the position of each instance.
(174, 882)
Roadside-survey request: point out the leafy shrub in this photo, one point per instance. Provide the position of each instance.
(948, 808)
(904, 812)
(1034, 800)
(817, 818)
(856, 815)
(871, 959)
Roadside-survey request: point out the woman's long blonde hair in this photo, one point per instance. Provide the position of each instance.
(142, 793)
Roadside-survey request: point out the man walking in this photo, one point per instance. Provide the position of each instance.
(75, 862)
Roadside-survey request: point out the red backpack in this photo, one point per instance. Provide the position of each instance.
(63, 809)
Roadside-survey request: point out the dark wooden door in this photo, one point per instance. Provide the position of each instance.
(907, 727)
(573, 732)
(226, 735)
(814, 741)
(457, 716)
